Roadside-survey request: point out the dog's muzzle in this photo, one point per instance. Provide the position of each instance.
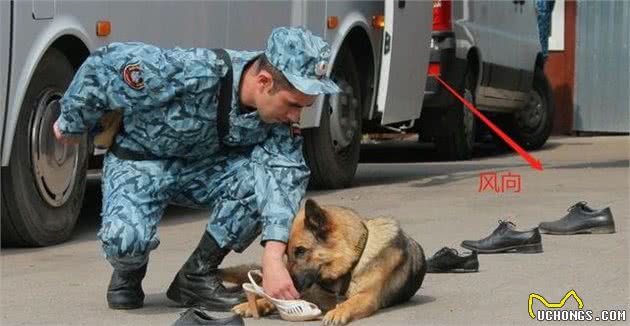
(305, 279)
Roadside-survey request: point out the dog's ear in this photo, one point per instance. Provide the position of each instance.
(316, 220)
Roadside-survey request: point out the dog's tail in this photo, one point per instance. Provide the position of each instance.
(238, 274)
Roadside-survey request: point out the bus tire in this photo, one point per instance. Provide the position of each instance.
(332, 149)
(44, 184)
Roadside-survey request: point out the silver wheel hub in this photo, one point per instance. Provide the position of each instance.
(343, 119)
(55, 165)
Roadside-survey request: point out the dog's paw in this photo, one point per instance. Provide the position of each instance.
(245, 310)
(337, 317)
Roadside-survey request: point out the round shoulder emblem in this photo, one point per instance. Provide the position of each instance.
(132, 75)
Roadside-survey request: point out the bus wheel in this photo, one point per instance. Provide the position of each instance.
(44, 184)
(332, 150)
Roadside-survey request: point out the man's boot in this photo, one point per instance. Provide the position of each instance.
(125, 289)
(198, 283)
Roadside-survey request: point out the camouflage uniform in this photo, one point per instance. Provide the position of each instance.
(169, 100)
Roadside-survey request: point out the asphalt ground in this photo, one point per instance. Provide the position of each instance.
(437, 203)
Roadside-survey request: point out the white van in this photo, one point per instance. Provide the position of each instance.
(490, 51)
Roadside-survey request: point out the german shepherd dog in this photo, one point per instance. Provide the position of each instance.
(333, 253)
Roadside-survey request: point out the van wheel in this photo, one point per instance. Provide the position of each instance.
(531, 125)
(44, 184)
(332, 150)
(455, 137)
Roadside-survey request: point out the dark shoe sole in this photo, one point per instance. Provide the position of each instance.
(125, 306)
(188, 298)
(125, 300)
(595, 230)
(522, 249)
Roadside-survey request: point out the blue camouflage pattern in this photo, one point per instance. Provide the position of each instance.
(253, 185)
(303, 58)
(544, 8)
(174, 115)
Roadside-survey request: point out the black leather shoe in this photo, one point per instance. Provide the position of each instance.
(198, 282)
(581, 219)
(448, 260)
(506, 239)
(197, 317)
(125, 289)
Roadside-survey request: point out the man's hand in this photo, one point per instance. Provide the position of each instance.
(276, 279)
(67, 140)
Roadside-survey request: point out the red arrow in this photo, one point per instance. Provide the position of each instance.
(535, 164)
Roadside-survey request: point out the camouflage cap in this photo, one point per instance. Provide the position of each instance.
(302, 58)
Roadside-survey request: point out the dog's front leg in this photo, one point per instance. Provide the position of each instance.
(356, 307)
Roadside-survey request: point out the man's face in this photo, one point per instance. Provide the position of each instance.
(281, 106)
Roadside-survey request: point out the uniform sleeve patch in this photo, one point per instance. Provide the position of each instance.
(132, 75)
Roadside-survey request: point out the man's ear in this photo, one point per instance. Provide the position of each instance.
(316, 220)
(264, 81)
